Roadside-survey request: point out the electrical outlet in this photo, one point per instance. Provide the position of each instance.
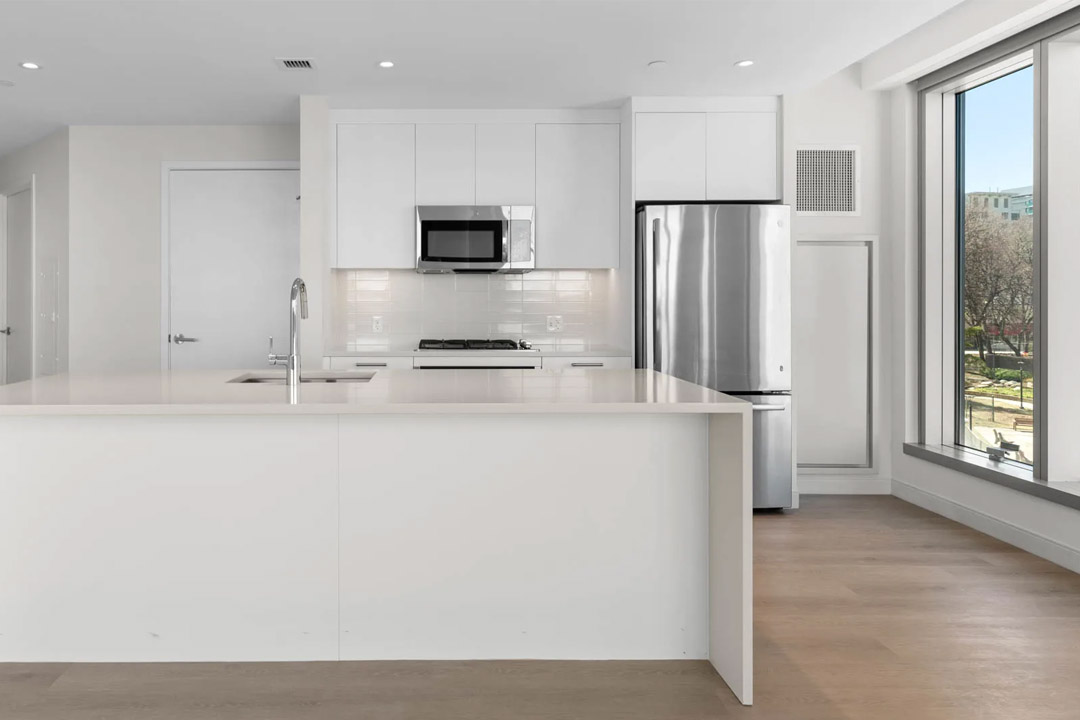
(554, 323)
(376, 323)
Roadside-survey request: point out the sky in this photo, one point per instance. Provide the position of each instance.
(1000, 133)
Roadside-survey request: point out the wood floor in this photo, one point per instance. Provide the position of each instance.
(866, 608)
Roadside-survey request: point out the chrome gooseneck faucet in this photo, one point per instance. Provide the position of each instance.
(297, 311)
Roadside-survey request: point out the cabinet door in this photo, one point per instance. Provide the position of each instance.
(376, 196)
(670, 152)
(741, 152)
(577, 196)
(565, 362)
(832, 353)
(506, 164)
(445, 164)
(369, 362)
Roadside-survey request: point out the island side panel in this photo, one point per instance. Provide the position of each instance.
(524, 536)
(168, 538)
(731, 552)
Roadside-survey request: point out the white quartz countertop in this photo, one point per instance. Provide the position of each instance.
(208, 392)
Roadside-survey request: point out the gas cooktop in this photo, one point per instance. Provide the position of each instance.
(474, 345)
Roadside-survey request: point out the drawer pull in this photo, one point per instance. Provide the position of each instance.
(586, 364)
(370, 364)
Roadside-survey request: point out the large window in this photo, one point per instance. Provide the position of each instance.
(999, 256)
(995, 294)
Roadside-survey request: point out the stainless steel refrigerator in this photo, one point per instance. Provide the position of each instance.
(714, 308)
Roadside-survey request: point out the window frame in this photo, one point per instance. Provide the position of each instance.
(992, 74)
(923, 440)
(941, 351)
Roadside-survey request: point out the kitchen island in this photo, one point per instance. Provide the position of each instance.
(431, 514)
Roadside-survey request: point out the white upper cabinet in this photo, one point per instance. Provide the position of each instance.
(741, 156)
(577, 196)
(376, 195)
(445, 164)
(506, 164)
(670, 152)
(569, 171)
(716, 156)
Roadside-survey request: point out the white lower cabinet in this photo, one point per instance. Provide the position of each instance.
(573, 363)
(405, 362)
(371, 362)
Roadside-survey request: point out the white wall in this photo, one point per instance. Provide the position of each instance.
(838, 112)
(1063, 293)
(47, 162)
(115, 241)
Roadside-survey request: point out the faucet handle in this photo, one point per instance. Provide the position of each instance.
(275, 359)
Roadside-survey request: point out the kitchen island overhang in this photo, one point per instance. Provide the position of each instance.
(480, 514)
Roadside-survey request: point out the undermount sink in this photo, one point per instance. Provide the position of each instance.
(312, 377)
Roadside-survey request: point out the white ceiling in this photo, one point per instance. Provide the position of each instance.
(193, 61)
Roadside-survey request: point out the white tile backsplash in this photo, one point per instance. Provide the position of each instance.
(413, 305)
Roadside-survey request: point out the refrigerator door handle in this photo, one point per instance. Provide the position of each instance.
(767, 408)
(653, 352)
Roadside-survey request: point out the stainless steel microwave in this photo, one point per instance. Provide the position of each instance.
(474, 238)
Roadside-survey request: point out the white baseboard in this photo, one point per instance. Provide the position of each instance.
(844, 485)
(1044, 547)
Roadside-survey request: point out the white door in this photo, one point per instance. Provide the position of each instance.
(234, 250)
(18, 284)
(831, 323)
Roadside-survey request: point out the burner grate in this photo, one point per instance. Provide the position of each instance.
(428, 344)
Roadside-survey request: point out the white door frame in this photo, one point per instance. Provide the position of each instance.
(5, 193)
(166, 280)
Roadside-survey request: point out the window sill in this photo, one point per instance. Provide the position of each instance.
(1011, 475)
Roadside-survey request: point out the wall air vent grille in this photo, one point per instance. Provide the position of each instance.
(827, 181)
(295, 63)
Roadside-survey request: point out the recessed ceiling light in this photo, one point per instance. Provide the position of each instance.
(744, 63)
(386, 64)
(29, 66)
(658, 64)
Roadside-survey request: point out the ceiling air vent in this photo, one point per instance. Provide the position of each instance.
(295, 63)
(827, 181)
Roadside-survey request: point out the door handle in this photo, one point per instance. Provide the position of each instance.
(179, 339)
(767, 408)
(6, 331)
